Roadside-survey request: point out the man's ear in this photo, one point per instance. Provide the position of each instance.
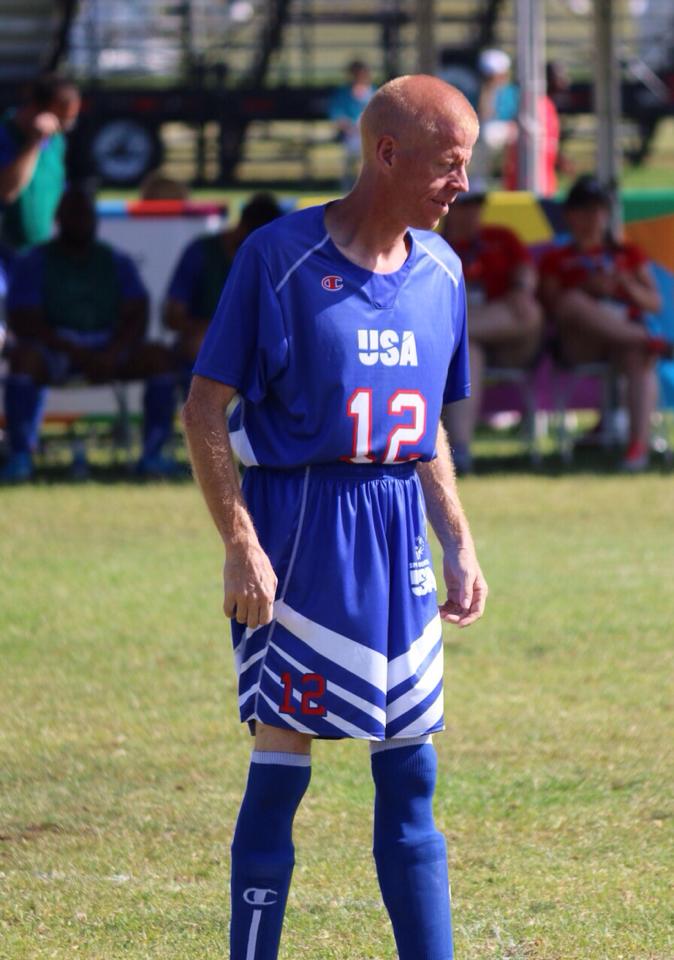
(386, 151)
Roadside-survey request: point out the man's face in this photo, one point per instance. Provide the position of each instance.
(588, 224)
(77, 220)
(66, 106)
(428, 176)
(361, 77)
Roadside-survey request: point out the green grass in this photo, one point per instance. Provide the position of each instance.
(122, 761)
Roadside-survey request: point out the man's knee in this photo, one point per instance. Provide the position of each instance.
(281, 739)
(404, 786)
(531, 315)
(572, 307)
(149, 360)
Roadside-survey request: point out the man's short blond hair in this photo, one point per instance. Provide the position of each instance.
(414, 106)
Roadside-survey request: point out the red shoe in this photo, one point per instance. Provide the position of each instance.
(636, 458)
(659, 347)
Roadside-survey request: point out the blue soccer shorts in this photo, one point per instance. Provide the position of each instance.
(355, 646)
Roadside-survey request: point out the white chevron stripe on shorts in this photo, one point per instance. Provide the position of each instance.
(369, 665)
(241, 668)
(422, 688)
(426, 721)
(407, 664)
(248, 693)
(240, 648)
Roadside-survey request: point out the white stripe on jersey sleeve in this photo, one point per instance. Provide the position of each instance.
(298, 263)
(242, 447)
(444, 266)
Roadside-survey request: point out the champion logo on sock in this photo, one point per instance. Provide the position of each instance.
(259, 897)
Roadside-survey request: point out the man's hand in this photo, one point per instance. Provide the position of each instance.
(602, 283)
(466, 587)
(100, 366)
(44, 125)
(250, 585)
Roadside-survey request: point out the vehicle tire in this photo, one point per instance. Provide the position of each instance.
(123, 150)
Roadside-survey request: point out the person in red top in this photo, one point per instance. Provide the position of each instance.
(504, 316)
(597, 291)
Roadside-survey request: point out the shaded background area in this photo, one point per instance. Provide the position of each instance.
(237, 91)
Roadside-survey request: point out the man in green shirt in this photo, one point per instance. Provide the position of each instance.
(32, 160)
(77, 310)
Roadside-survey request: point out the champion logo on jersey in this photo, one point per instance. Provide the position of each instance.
(332, 283)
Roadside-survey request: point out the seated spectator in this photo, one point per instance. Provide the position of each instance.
(504, 317)
(200, 275)
(158, 186)
(597, 291)
(6, 257)
(77, 309)
(345, 107)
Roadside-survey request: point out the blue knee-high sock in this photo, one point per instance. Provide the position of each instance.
(159, 408)
(263, 855)
(24, 406)
(410, 854)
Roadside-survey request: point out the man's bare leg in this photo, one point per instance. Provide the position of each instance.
(642, 395)
(514, 318)
(582, 313)
(280, 739)
(511, 328)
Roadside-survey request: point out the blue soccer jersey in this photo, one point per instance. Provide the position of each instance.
(334, 362)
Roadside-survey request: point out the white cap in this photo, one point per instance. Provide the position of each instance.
(491, 63)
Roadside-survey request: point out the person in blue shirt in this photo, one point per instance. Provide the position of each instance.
(344, 109)
(77, 308)
(6, 256)
(32, 160)
(200, 274)
(341, 332)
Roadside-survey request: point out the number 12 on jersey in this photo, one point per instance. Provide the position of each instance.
(359, 407)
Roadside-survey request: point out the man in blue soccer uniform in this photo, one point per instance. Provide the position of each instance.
(342, 330)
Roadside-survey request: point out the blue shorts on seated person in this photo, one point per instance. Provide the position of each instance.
(355, 645)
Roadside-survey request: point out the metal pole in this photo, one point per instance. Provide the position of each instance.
(531, 80)
(426, 53)
(607, 104)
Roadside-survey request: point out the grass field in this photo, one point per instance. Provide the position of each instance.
(121, 759)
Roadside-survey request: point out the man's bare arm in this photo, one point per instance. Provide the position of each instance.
(250, 581)
(466, 586)
(17, 174)
(177, 317)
